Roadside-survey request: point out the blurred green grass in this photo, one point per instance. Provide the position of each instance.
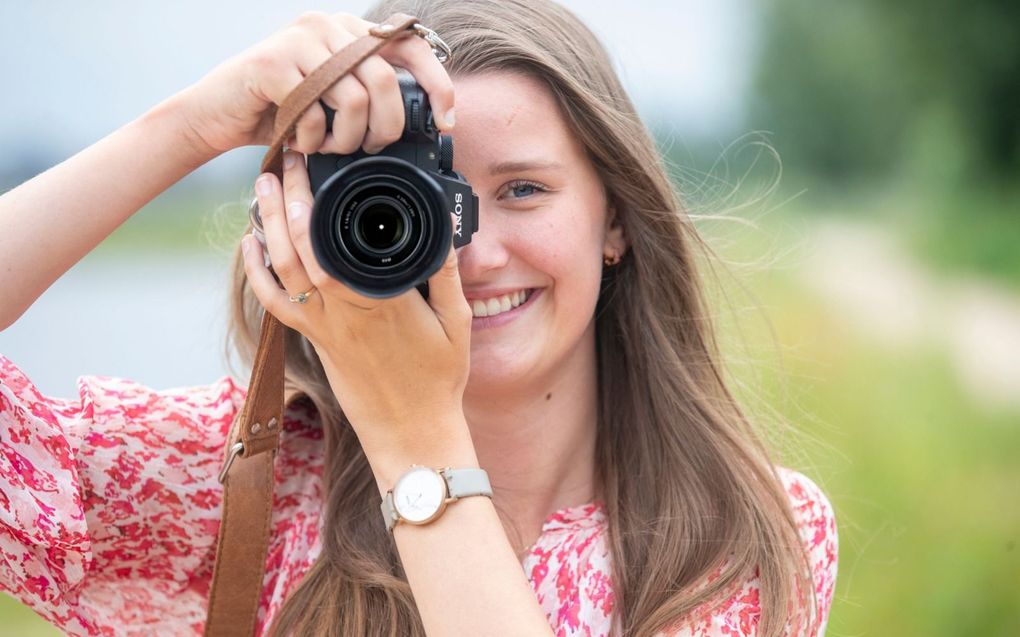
(952, 231)
(21, 621)
(976, 232)
(923, 479)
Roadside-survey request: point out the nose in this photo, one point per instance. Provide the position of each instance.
(487, 251)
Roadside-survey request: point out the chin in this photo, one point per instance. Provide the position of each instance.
(497, 367)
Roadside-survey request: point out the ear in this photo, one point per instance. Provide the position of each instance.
(616, 238)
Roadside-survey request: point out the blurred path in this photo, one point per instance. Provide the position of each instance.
(861, 271)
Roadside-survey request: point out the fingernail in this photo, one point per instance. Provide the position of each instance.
(289, 160)
(264, 185)
(449, 118)
(246, 243)
(296, 209)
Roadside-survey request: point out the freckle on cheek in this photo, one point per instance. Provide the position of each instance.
(548, 396)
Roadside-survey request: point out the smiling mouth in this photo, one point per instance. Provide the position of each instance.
(481, 308)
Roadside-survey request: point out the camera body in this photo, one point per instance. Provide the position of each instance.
(382, 224)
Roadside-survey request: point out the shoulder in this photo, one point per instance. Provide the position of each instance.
(807, 498)
(120, 397)
(812, 510)
(116, 425)
(816, 523)
(124, 399)
(87, 483)
(740, 611)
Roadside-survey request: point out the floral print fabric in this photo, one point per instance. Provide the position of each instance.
(110, 507)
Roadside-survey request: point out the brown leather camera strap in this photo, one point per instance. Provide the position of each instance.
(247, 474)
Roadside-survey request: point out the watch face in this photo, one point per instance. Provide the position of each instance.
(419, 494)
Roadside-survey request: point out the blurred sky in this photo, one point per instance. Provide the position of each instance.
(75, 71)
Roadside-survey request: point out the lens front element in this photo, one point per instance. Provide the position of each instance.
(380, 226)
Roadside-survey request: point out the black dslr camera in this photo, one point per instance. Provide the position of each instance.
(381, 223)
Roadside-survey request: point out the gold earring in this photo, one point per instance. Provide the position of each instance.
(610, 259)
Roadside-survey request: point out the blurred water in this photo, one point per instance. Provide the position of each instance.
(159, 319)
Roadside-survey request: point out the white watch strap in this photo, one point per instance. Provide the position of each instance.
(460, 483)
(464, 482)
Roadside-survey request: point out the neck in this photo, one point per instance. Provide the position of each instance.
(536, 439)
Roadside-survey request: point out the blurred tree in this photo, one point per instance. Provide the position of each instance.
(855, 90)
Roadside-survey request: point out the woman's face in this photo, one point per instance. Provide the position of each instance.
(542, 218)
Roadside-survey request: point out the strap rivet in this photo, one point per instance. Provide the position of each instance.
(271, 424)
(256, 428)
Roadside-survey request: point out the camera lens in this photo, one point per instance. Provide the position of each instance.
(380, 226)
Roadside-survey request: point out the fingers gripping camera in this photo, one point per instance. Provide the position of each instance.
(381, 224)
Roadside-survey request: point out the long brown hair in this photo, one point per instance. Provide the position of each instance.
(707, 499)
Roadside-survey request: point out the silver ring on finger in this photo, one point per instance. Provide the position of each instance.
(441, 49)
(257, 230)
(301, 298)
(253, 213)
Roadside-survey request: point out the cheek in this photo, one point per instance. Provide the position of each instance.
(566, 232)
(558, 250)
(565, 250)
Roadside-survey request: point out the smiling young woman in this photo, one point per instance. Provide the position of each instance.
(622, 467)
(567, 350)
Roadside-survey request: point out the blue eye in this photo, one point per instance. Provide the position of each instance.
(518, 186)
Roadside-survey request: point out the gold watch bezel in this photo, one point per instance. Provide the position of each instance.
(443, 503)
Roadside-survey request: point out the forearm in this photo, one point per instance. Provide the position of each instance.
(53, 220)
(462, 570)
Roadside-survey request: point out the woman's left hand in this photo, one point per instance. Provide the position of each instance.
(398, 366)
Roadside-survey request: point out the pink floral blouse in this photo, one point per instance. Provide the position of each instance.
(109, 510)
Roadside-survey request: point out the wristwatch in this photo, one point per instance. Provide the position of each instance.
(421, 494)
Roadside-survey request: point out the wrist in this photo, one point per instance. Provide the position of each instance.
(454, 449)
(174, 114)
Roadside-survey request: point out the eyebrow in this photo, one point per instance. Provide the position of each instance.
(522, 166)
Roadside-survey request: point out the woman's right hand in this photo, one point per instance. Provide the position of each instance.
(235, 104)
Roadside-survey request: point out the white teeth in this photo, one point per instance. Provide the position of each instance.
(498, 305)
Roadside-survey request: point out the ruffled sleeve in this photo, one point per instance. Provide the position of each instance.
(109, 503)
